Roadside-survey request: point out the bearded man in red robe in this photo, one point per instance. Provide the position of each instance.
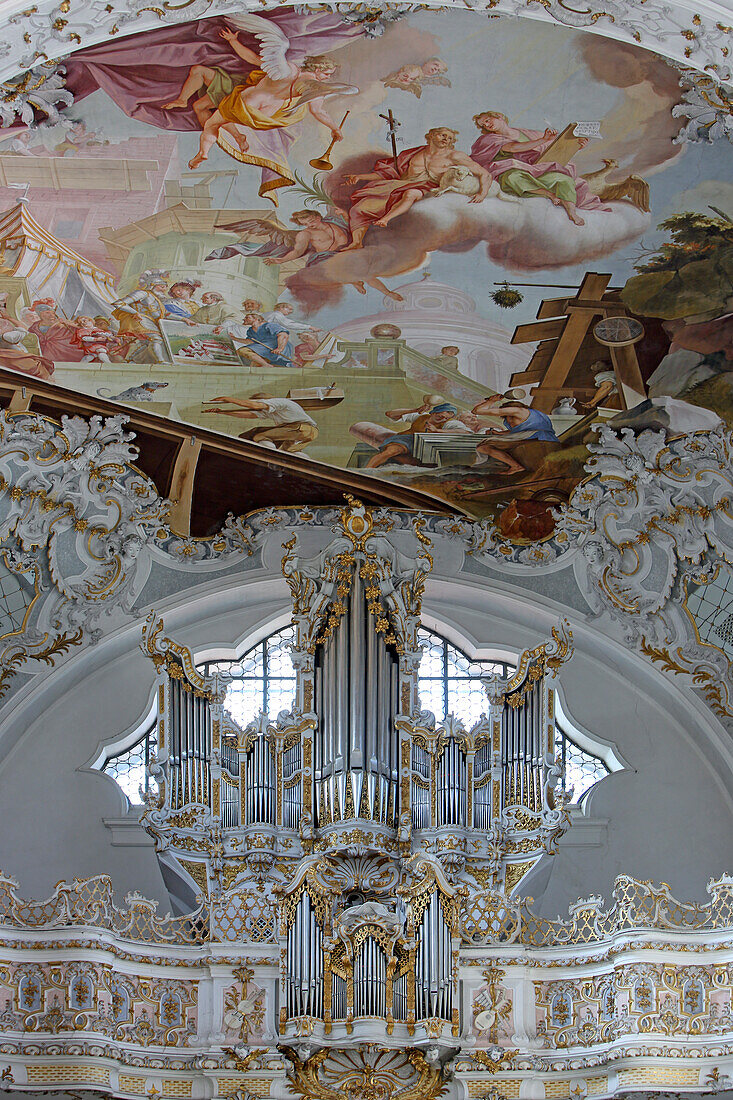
(394, 186)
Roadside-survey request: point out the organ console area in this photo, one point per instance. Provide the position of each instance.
(361, 820)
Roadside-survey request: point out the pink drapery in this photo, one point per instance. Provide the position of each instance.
(144, 71)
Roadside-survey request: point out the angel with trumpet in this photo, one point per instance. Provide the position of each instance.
(255, 121)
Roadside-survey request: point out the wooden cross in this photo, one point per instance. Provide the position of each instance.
(561, 339)
(392, 125)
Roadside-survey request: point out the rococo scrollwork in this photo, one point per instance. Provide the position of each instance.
(138, 1002)
(346, 878)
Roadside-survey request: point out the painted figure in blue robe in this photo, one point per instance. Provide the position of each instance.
(520, 424)
(265, 342)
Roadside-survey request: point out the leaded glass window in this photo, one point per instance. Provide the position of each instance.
(581, 770)
(449, 682)
(129, 768)
(263, 679)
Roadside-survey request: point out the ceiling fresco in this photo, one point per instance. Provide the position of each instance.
(442, 256)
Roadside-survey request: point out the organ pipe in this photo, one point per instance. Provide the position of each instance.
(349, 723)
(355, 751)
(188, 745)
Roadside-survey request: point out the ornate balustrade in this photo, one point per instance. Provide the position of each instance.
(124, 1000)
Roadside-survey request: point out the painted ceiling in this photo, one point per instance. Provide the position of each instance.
(431, 248)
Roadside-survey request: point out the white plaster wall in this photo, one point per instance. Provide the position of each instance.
(52, 807)
(669, 815)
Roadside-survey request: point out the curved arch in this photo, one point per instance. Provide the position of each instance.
(673, 736)
(693, 35)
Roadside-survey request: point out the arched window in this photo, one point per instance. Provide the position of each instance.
(129, 766)
(263, 679)
(449, 682)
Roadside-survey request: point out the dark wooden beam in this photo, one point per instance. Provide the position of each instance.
(229, 475)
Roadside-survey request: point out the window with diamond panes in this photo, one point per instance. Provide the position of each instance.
(449, 682)
(16, 595)
(263, 679)
(580, 769)
(129, 768)
(711, 606)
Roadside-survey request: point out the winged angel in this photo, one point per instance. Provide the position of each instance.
(254, 122)
(317, 238)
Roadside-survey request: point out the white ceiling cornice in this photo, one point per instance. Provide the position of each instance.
(698, 35)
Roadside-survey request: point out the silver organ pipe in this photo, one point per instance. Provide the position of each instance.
(304, 954)
(355, 750)
(421, 766)
(370, 980)
(370, 986)
(230, 803)
(434, 964)
(189, 731)
(522, 729)
(261, 801)
(338, 997)
(174, 744)
(399, 997)
(482, 790)
(451, 783)
(292, 785)
(187, 745)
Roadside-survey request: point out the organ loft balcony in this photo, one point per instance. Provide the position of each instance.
(356, 812)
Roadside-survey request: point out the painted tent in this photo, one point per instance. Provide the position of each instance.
(50, 269)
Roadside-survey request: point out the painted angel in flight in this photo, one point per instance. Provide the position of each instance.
(253, 119)
(316, 238)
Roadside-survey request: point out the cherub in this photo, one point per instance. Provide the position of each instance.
(433, 71)
(406, 79)
(251, 123)
(411, 78)
(317, 238)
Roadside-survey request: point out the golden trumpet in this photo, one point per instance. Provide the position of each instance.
(323, 164)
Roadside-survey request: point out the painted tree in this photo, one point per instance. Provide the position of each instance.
(691, 274)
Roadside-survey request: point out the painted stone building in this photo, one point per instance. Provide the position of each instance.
(432, 316)
(178, 239)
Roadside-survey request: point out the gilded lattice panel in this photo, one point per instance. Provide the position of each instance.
(674, 1076)
(246, 916)
(56, 1074)
(596, 1085)
(130, 1083)
(176, 1088)
(509, 1087)
(258, 1086)
(557, 1090)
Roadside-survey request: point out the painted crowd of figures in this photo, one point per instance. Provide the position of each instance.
(231, 308)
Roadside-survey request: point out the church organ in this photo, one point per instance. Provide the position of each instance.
(356, 813)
